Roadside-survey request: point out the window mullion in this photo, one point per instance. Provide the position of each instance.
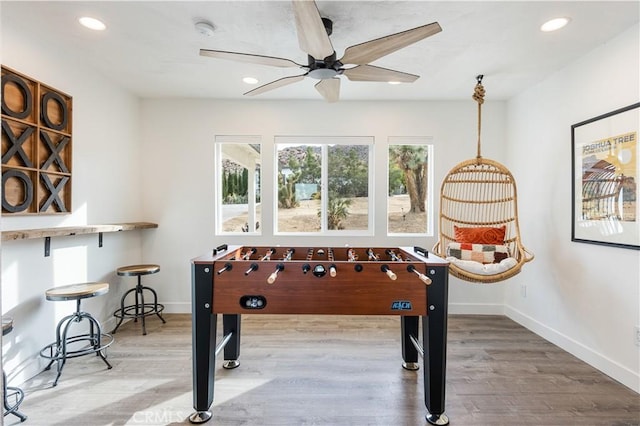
(324, 188)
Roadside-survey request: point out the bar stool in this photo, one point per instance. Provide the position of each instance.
(11, 392)
(60, 350)
(140, 309)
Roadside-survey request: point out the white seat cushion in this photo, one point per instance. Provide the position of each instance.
(484, 269)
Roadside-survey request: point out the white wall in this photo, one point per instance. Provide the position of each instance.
(583, 297)
(106, 187)
(178, 142)
(156, 163)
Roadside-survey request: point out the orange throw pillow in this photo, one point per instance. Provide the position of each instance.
(484, 235)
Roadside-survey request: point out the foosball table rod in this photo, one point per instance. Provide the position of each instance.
(425, 279)
(414, 365)
(274, 275)
(227, 364)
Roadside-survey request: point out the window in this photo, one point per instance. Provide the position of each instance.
(323, 185)
(238, 206)
(410, 190)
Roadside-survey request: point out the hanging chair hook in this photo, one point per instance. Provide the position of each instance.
(478, 96)
(478, 91)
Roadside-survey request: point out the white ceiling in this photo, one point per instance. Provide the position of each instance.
(151, 47)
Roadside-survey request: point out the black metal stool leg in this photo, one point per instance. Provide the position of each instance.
(138, 309)
(142, 306)
(61, 350)
(95, 337)
(120, 313)
(58, 343)
(155, 303)
(8, 392)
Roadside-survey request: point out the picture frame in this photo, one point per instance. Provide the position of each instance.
(605, 179)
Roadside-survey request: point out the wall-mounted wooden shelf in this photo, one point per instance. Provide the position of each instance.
(64, 231)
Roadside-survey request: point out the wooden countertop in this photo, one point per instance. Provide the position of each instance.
(28, 234)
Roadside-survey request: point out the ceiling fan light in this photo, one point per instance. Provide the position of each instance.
(554, 24)
(92, 23)
(250, 80)
(322, 73)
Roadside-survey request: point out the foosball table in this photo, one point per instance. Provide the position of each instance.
(405, 281)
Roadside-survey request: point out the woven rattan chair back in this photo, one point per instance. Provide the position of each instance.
(480, 193)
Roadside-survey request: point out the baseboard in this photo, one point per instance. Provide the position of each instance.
(476, 309)
(608, 366)
(177, 307)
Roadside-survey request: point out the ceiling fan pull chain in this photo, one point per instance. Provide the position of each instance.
(478, 96)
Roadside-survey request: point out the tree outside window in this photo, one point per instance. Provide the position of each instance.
(323, 184)
(410, 187)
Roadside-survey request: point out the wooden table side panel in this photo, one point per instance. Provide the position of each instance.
(325, 295)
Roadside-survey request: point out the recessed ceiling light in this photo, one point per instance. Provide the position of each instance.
(250, 80)
(92, 23)
(393, 82)
(554, 24)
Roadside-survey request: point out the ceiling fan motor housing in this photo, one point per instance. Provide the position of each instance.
(325, 68)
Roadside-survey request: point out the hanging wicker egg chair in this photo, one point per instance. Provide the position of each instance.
(479, 230)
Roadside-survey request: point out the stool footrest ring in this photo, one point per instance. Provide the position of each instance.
(139, 309)
(105, 341)
(143, 310)
(12, 407)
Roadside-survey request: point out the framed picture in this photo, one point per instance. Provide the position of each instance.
(605, 165)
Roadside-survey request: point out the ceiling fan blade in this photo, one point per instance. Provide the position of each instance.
(275, 84)
(361, 54)
(329, 89)
(371, 73)
(246, 57)
(312, 35)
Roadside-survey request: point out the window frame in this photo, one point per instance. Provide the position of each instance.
(252, 191)
(325, 142)
(428, 142)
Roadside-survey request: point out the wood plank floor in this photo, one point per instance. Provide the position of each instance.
(334, 371)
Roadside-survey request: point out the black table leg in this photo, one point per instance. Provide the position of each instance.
(231, 324)
(409, 327)
(434, 337)
(204, 324)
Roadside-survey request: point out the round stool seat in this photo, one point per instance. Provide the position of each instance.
(7, 325)
(136, 270)
(77, 291)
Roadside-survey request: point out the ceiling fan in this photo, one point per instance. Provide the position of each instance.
(313, 38)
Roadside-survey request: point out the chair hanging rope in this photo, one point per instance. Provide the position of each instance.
(479, 231)
(478, 96)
